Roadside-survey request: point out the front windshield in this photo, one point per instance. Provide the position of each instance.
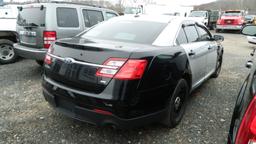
(197, 14)
(127, 31)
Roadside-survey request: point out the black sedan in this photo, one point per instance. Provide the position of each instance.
(131, 70)
(243, 123)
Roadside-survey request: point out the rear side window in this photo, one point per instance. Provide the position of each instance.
(110, 15)
(127, 31)
(92, 17)
(181, 38)
(191, 33)
(67, 17)
(33, 16)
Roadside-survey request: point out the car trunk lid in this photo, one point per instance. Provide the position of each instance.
(76, 62)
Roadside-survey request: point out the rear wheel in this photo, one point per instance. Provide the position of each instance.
(7, 54)
(177, 104)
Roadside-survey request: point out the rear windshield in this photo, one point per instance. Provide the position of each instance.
(33, 16)
(127, 31)
(197, 14)
(232, 13)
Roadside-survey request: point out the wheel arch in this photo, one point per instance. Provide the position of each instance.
(187, 75)
(9, 35)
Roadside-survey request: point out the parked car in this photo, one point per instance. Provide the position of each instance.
(115, 75)
(207, 17)
(243, 123)
(249, 19)
(231, 20)
(39, 24)
(8, 34)
(251, 39)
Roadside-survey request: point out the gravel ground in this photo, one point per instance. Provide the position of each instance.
(25, 116)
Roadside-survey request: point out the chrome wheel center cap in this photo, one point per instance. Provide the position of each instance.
(177, 103)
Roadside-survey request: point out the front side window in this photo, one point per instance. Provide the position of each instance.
(191, 33)
(203, 34)
(92, 17)
(181, 38)
(67, 17)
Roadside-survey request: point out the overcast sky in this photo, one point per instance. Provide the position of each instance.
(168, 2)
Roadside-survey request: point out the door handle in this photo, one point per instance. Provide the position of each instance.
(191, 53)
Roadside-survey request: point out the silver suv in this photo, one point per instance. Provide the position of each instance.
(39, 24)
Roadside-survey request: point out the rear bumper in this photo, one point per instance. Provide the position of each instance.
(89, 116)
(229, 27)
(29, 53)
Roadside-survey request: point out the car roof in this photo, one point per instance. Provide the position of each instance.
(66, 4)
(158, 18)
(150, 18)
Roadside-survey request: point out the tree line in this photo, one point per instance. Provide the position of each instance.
(248, 5)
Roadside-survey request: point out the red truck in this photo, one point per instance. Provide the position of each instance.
(231, 20)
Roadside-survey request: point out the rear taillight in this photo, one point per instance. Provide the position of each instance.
(49, 37)
(218, 21)
(103, 112)
(123, 69)
(247, 130)
(240, 21)
(48, 59)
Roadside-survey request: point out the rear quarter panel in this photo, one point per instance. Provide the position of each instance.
(166, 67)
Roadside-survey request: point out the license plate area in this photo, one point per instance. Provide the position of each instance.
(28, 37)
(65, 104)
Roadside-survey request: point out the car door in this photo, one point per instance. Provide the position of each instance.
(196, 52)
(245, 96)
(211, 55)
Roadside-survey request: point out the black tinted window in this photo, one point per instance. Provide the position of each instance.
(92, 17)
(191, 33)
(127, 31)
(110, 15)
(181, 38)
(67, 17)
(203, 34)
(33, 16)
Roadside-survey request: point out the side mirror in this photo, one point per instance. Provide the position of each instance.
(218, 38)
(249, 30)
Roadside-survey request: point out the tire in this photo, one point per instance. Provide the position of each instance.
(177, 104)
(39, 62)
(213, 26)
(218, 67)
(7, 53)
